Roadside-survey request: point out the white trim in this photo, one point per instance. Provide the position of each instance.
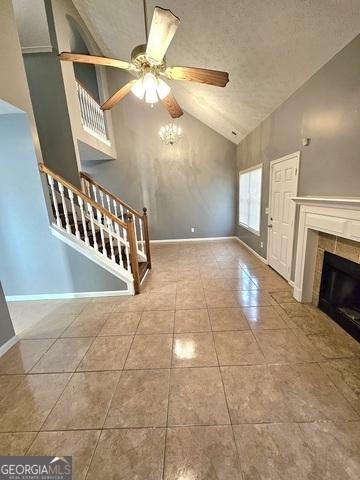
(255, 167)
(39, 49)
(242, 172)
(96, 135)
(55, 296)
(339, 219)
(7, 345)
(257, 255)
(199, 239)
(292, 229)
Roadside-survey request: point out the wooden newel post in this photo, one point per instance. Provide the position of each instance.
(147, 237)
(133, 252)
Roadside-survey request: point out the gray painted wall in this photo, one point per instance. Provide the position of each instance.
(51, 114)
(32, 260)
(6, 326)
(189, 184)
(325, 109)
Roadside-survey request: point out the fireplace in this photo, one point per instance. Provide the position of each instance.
(340, 292)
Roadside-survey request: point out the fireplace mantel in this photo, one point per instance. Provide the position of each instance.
(339, 216)
(353, 202)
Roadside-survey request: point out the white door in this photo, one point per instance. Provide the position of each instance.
(284, 174)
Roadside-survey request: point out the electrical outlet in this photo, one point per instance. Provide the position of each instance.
(262, 244)
(192, 229)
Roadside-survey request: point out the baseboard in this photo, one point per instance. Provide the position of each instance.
(56, 296)
(257, 255)
(199, 239)
(291, 283)
(7, 345)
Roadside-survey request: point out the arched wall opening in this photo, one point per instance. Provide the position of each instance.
(85, 74)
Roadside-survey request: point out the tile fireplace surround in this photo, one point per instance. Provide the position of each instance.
(339, 217)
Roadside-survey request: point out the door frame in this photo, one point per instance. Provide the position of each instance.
(292, 229)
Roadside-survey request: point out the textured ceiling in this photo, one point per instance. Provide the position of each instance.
(269, 47)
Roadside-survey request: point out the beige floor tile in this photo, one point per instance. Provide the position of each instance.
(194, 350)
(63, 356)
(150, 351)
(275, 451)
(84, 402)
(187, 298)
(189, 321)
(98, 308)
(158, 321)
(295, 309)
(140, 399)
(265, 318)
(237, 348)
(23, 356)
(222, 319)
(345, 374)
(281, 296)
(283, 393)
(121, 323)
(15, 443)
(131, 304)
(86, 325)
(79, 444)
(226, 283)
(197, 397)
(49, 327)
(286, 346)
(160, 301)
(201, 453)
(8, 383)
(129, 454)
(31, 401)
(336, 447)
(106, 353)
(339, 345)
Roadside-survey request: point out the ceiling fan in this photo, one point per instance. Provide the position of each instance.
(149, 65)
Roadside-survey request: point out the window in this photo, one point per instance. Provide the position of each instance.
(250, 198)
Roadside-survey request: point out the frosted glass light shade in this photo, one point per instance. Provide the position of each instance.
(150, 85)
(163, 89)
(138, 89)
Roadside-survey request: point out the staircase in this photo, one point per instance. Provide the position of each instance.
(98, 224)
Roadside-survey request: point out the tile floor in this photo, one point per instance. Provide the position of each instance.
(213, 372)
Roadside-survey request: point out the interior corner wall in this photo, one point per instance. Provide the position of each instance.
(326, 110)
(188, 184)
(6, 326)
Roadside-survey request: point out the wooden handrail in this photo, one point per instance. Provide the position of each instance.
(112, 195)
(44, 169)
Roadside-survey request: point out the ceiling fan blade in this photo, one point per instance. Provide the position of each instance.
(172, 106)
(95, 60)
(117, 96)
(201, 75)
(163, 27)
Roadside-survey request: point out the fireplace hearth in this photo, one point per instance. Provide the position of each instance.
(340, 292)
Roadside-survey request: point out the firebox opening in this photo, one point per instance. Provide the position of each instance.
(340, 292)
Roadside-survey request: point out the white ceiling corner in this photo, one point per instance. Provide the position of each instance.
(269, 49)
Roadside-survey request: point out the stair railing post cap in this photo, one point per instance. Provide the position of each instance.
(145, 210)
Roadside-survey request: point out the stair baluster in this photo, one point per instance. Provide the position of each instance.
(71, 196)
(101, 226)
(83, 221)
(64, 207)
(54, 200)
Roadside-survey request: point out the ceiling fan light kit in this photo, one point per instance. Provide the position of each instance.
(148, 64)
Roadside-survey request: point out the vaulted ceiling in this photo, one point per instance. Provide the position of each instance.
(269, 47)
